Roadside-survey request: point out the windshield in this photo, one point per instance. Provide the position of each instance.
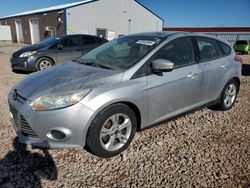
(49, 41)
(122, 53)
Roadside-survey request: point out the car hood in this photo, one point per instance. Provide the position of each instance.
(27, 49)
(66, 77)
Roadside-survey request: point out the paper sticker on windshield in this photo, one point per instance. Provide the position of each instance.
(146, 42)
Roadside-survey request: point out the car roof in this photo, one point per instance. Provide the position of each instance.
(69, 35)
(154, 34)
(165, 34)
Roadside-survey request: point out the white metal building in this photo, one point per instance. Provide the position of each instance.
(112, 18)
(106, 18)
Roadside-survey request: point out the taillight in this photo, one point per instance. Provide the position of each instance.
(239, 59)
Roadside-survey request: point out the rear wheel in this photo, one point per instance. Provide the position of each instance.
(44, 63)
(228, 96)
(112, 131)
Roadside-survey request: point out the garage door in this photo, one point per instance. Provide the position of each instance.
(34, 30)
(19, 30)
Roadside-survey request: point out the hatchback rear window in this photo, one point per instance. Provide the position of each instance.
(241, 42)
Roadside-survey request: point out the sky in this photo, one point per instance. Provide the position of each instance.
(176, 13)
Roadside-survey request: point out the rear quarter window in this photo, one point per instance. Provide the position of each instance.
(226, 50)
(99, 40)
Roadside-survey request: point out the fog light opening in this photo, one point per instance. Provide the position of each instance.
(57, 135)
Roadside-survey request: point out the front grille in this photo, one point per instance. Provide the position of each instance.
(22, 124)
(26, 130)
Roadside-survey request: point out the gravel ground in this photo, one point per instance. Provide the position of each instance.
(204, 149)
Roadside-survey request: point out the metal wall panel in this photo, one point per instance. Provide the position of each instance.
(232, 37)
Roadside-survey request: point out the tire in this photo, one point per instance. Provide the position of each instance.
(106, 137)
(228, 96)
(248, 53)
(44, 63)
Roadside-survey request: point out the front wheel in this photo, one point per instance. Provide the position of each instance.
(44, 63)
(111, 131)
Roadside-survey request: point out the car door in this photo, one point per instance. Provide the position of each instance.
(69, 49)
(213, 65)
(88, 43)
(172, 93)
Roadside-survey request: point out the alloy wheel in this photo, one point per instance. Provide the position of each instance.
(115, 132)
(230, 95)
(45, 64)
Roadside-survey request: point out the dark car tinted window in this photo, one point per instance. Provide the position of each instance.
(241, 42)
(54, 46)
(226, 50)
(179, 51)
(87, 40)
(209, 49)
(99, 40)
(49, 41)
(72, 41)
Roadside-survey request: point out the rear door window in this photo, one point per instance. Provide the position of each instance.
(208, 48)
(88, 40)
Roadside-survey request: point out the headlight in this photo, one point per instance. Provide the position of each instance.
(26, 54)
(59, 100)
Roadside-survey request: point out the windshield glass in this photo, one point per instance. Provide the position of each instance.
(49, 41)
(123, 52)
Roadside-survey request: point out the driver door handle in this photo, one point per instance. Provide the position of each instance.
(192, 75)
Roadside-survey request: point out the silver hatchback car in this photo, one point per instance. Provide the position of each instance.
(100, 100)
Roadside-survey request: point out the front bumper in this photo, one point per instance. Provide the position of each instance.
(34, 127)
(23, 63)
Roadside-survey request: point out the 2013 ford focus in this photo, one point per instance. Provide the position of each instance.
(99, 101)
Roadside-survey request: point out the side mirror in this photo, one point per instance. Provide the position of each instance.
(162, 65)
(59, 46)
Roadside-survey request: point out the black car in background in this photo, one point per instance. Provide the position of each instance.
(53, 51)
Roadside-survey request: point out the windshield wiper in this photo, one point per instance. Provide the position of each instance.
(92, 63)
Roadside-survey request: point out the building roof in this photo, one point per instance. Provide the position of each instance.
(149, 10)
(209, 29)
(58, 7)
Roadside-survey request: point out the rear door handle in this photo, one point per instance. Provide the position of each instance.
(192, 75)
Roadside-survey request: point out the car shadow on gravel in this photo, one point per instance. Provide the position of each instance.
(21, 72)
(246, 69)
(21, 168)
